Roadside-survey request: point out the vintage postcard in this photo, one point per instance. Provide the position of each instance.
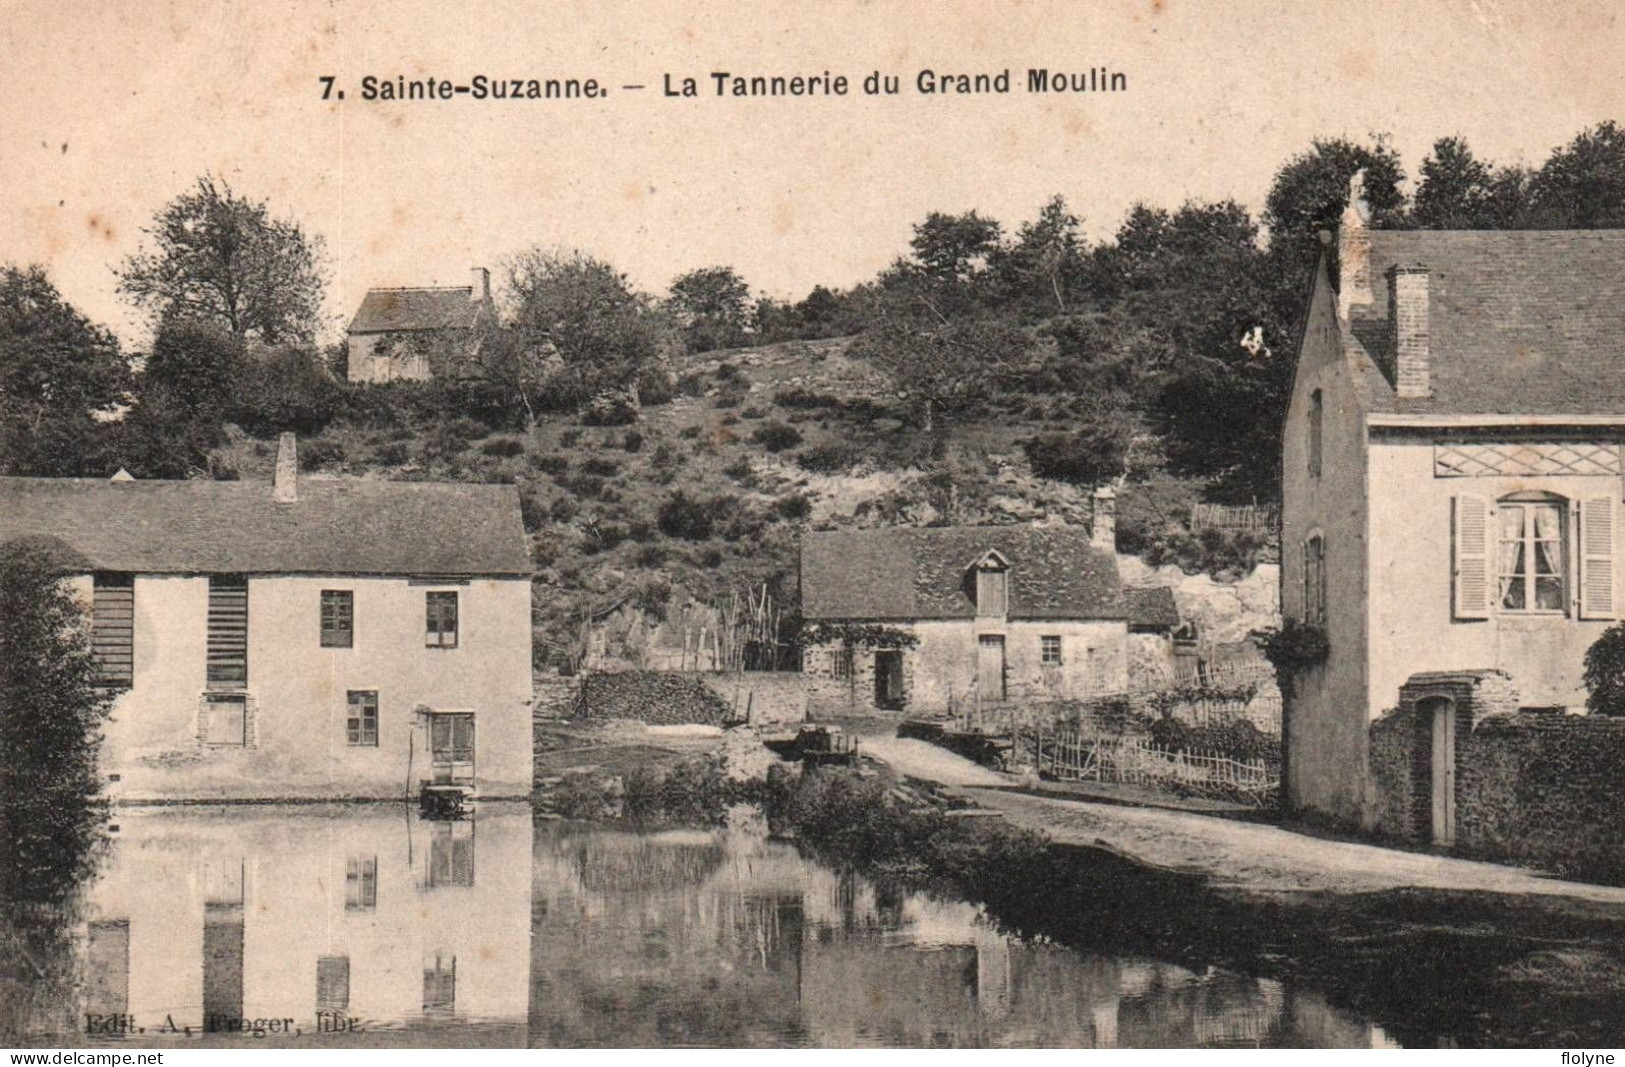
(993, 523)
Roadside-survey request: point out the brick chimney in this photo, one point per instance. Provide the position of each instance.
(1408, 327)
(285, 488)
(1103, 525)
(1354, 250)
(481, 279)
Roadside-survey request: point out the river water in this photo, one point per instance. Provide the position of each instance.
(368, 925)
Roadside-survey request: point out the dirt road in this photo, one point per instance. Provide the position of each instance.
(1228, 854)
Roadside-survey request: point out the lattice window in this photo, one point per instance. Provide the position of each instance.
(1487, 459)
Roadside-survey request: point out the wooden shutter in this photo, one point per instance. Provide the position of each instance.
(113, 629)
(1472, 574)
(1597, 558)
(228, 631)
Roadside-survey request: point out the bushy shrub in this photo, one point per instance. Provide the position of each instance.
(286, 390)
(632, 442)
(727, 399)
(503, 446)
(1605, 672)
(640, 531)
(655, 388)
(392, 454)
(552, 464)
(1087, 456)
(570, 438)
(586, 486)
(604, 537)
(531, 509)
(799, 396)
(776, 436)
(740, 470)
(466, 428)
(604, 468)
(563, 509)
(752, 412)
(711, 558)
(831, 458)
(650, 556)
(686, 517)
(794, 506)
(319, 453)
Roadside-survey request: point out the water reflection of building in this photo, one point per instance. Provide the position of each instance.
(207, 916)
(729, 939)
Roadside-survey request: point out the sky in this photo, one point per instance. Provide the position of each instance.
(113, 108)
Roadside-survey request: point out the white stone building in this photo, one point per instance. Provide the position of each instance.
(315, 638)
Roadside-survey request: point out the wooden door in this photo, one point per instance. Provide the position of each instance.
(452, 741)
(1444, 773)
(990, 666)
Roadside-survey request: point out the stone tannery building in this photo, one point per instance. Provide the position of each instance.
(311, 638)
(1450, 520)
(396, 333)
(991, 614)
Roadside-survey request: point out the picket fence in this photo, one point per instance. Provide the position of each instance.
(1075, 755)
(1253, 518)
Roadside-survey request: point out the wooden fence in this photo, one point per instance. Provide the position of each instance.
(1253, 518)
(1075, 755)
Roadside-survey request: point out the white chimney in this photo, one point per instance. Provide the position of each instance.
(1103, 526)
(1408, 326)
(285, 489)
(1354, 250)
(481, 279)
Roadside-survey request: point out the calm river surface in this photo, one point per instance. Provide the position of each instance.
(369, 925)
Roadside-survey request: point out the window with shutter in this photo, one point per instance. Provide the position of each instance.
(1597, 596)
(1471, 568)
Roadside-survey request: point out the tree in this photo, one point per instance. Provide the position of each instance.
(1047, 260)
(1310, 192)
(225, 259)
(954, 247)
(586, 311)
(712, 305)
(1582, 184)
(51, 715)
(57, 371)
(942, 369)
(1455, 188)
(1605, 672)
(184, 394)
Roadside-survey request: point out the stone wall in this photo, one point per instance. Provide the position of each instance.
(763, 697)
(1533, 788)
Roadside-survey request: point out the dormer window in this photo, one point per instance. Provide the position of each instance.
(992, 586)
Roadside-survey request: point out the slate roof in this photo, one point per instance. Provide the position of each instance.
(1521, 322)
(1151, 607)
(924, 573)
(404, 310)
(346, 526)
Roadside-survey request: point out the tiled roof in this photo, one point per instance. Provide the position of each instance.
(1521, 322)
(401, 310)
(1151, 607)
(348, 526)
(925, 573)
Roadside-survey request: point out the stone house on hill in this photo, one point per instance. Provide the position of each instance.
(304, 639)
(990, 613)
(1451, 505)
(397, 333)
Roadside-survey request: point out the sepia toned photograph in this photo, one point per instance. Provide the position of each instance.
(1008, 524)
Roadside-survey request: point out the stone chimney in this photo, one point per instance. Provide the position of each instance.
(285, 489)
(481, 279)
(1408, 328)
(1354, 250)
(1103, 526)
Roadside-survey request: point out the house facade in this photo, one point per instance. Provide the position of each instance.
(938, 619)
(1451, 501)
(399, 334)
(311, 638)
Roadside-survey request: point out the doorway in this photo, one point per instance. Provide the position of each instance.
(451, 742)
(990, 667)
(1439, 714)
(889, 679)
